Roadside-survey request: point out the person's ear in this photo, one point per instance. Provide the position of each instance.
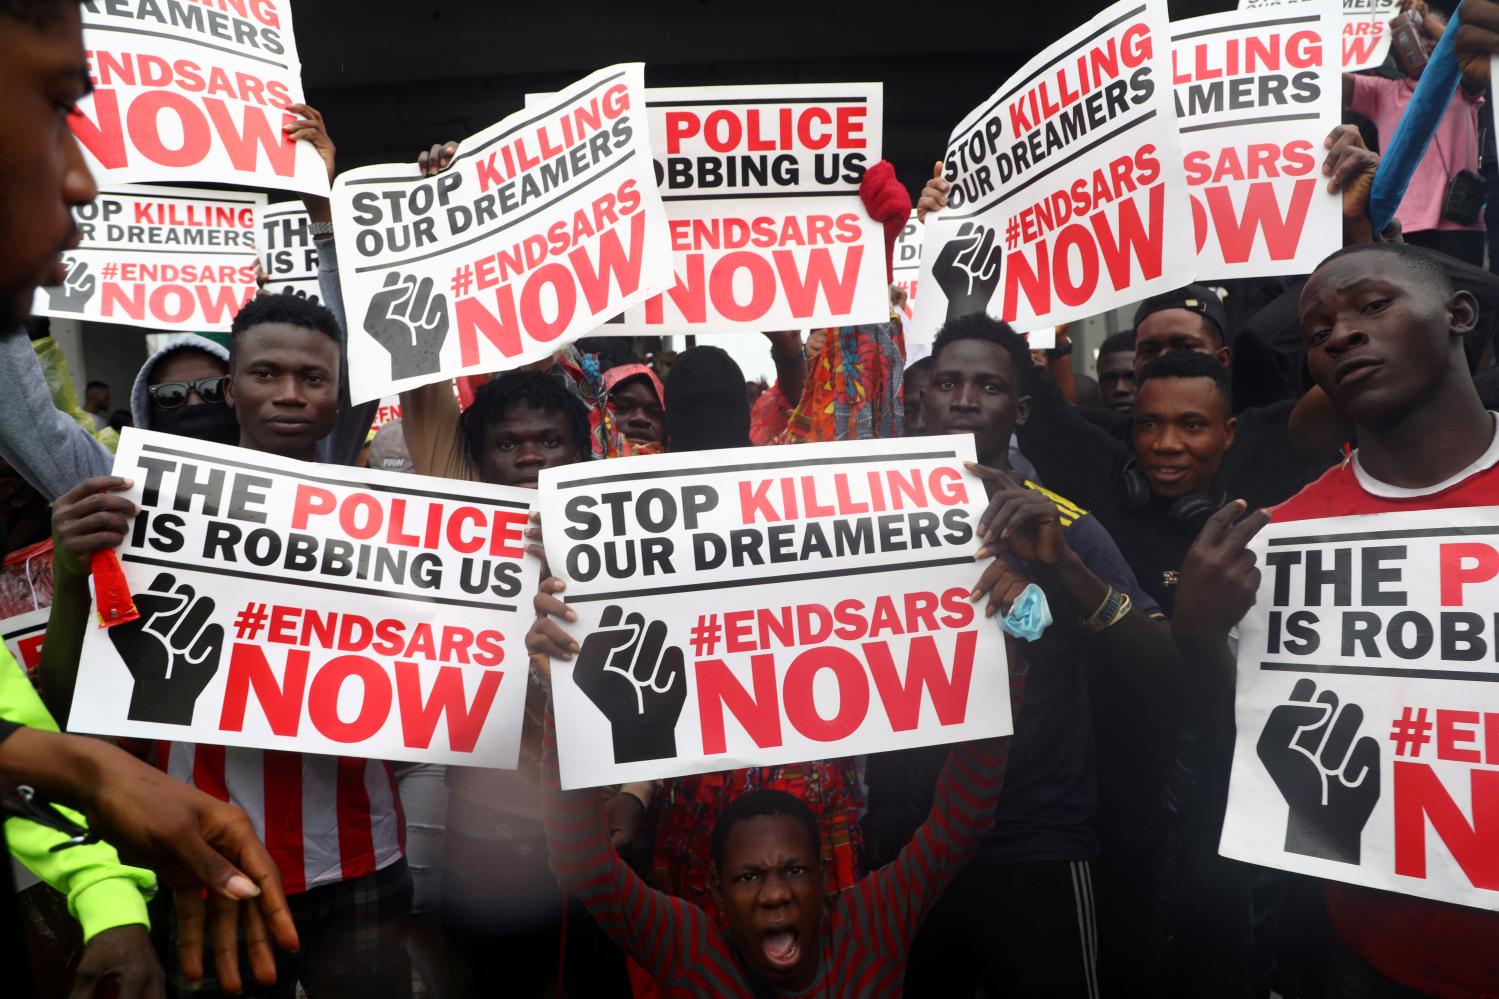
(1462, 313)
(1224, 355)
(1230, 431)
(229, 388)
(1022, 410)
(715, 885)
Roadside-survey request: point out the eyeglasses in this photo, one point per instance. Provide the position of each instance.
(170, 395)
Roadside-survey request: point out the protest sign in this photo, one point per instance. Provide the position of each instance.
(192, 91)
(287, 605)
(288, 252)
(761, 186)
(1365, 26)
(545, 225)
(1368, 708)
(1255, 98)
(1067, 195)
(162, 258)
(760, 606)
(907, 266)
(23, 636)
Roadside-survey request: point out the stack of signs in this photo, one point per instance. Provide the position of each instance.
(194, 92)
(764, 606)
(288, 252)
(161, 258)
(1255, 97)
(285, 606)
(907, 267)
(1368, 705)
(1365, 26)
(545, 225)
(1068, 197)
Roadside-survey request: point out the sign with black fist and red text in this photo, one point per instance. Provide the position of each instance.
(1368, 705)
(770, 605)
(287, 605)
(160, 258)
(545, 225)
(1067, 197)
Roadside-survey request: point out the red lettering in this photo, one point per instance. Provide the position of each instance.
(853, 694)
(758, 714)
(1421, 797)
(1463, 563)
(281, 702)
(924, 671)
(1262, 211)
(465, 721)
(374, 704)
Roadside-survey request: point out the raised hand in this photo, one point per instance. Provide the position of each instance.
(171, 650)
(1328, 775)
(968, 268)
(410, 322)
(630, 674)
(76, 290)
(1018, 521)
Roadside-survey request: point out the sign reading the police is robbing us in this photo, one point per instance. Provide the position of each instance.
(1368, 705)
(286, 605)
(1365, 25)
(1255, 97)
(545, 225)
(161, 258)
(193, 91)
(288, 251)
(1067, 194)
(770, 605)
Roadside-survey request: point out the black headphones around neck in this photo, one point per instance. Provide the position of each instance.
(1186, 513)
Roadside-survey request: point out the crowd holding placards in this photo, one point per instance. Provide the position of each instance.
(423, 641)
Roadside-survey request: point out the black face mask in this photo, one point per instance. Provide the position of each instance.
(213, 422)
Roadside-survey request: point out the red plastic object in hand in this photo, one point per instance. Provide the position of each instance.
(111, 592)
(889, 203)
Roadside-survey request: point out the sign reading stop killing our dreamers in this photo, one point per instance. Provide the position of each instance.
(161, 258)
(1067, 195)
(288, 251)
(1365, 26)
(545, 225)
(284, 605)
(1255, 98)
(191, 91)
(1368, 705)
(762, 606)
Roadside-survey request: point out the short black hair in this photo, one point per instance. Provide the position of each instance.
(533, 388)
(1419, 259)
(918, 367)
(1118, 343)
(707, 408)
(96, 384)
(289, 310)
(1191, 364)
(761, 802)
(37, 13)
(978, 326)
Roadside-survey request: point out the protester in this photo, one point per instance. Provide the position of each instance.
(634, 395)
(96, 403)
(1116, 371)
(917, 378)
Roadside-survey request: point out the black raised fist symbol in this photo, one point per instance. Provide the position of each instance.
(171, 650)
(75, 291)
(968, 268)
(1327, 774)
(630, 674)
(410, 322)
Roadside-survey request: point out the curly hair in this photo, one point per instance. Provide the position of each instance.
(533, 388)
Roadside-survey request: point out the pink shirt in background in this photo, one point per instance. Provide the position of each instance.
(1383, 101)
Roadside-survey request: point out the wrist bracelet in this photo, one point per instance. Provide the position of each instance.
(1113, 610)
(321, 228)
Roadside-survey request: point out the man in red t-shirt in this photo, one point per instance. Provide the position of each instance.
(1383, 332)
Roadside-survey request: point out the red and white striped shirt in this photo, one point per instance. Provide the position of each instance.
(324, 819)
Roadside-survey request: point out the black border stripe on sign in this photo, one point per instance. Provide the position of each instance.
(797, 577)
(190, 251)
(346, 483)
(1416, 532)
(91, 26)
(757, 100)
(23, 632)
(571, 190)
(768, 466)
(317, 584)
(1251, 121)
(1244, 27)
(1390, 671)
(845, 192)
(230, 197)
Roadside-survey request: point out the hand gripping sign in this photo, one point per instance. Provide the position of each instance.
(770, 605)
(1068, 197)
(283, 606)
(1368, 705)
(545, 225)
(288, 251)
(1255, 97)
(1365, 26)
(161, 258)
(189, 91)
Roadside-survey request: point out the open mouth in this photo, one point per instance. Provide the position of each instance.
(1168, 473)
(781, 948)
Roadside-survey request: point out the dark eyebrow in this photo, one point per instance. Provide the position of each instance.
(1356, 283)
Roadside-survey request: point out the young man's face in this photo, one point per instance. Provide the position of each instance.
(918, 380)
(1176, 329)
(974, 389)
(1182, 429)
(523, 442)
(42, 173)
(1381, 337)
(771, 893)
(638, 411)
(97, 398)
(1116, 380)
(283, 386)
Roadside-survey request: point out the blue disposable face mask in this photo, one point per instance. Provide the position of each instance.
(1029, 616)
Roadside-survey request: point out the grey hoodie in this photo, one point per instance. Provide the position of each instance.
(140, 397)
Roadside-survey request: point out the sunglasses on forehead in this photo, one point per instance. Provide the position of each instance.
(170, 395)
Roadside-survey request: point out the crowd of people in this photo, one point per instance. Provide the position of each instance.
(1077, 858)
